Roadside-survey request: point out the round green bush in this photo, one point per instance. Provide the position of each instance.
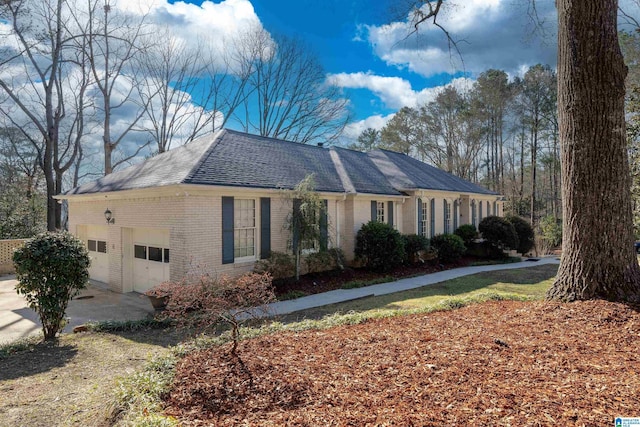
(467, 232)
(51, 269)
(414, 243)
(380, 246)
(499, 232)
(450, 247)
(524, 232)
(279, 265)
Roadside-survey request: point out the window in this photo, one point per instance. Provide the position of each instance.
(489, 209)
(380, 211)
(425, 218)
(140, 251)
(155, 254)
(244, 230)
(495, 208)
(310, 246)
(480, 211)
(151, 253)
(97, 246)
(447, 217)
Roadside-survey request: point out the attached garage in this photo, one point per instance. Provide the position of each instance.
(95, 237)
(147, 256)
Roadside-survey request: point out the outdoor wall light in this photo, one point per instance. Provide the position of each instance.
(108, 215)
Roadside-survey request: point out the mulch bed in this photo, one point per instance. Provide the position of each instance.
(328, 281)
(497, 363)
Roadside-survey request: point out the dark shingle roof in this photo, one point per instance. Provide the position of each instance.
(244, 160)
(164, 169)
(227, 158)
(231, 158)
(407, 173)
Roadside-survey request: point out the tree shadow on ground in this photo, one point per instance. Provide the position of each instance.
(164, 337)
(40, 358)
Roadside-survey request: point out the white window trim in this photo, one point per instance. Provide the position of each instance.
(380, 211)
(256, 234)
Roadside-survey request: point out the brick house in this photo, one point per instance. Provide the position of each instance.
(221, 201)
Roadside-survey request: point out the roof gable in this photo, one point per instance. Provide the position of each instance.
(168, 168)
(245, 160)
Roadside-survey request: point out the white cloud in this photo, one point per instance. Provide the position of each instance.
(384, 88)
(215, 20)
(490, 34)
(394, 92)
(353, 130)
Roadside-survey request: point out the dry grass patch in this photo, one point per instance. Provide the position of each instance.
(72, 383)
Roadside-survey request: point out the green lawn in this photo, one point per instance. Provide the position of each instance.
(526, 283)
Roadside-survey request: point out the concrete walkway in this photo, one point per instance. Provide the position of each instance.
(95, 303)
(342, 295)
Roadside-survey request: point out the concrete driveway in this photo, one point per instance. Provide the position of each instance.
(93, 304)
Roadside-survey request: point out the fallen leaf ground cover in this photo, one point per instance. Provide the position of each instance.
(495, 363)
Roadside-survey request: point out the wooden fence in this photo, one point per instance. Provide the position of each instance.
(6, 254)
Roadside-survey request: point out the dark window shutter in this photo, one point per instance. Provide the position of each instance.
(480, 211)
(265, 227)
(420, 227)
(444, 216)
(227, 230)
(390, 213)
(295, 239)
(374, 210)
(433, 218)
(324, 227)
(455, 215)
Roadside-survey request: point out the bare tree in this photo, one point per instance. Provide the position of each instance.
(114, 44)
(174, 71)
(289, 97)
(451, 138)
(35, 90)
(194, 88)
(537, 101)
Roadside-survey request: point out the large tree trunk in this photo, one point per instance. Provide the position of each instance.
(598, 258)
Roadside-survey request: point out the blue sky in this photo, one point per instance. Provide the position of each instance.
(364, 47)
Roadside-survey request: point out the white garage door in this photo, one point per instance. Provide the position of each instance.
(151, 257)
(96, 240)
